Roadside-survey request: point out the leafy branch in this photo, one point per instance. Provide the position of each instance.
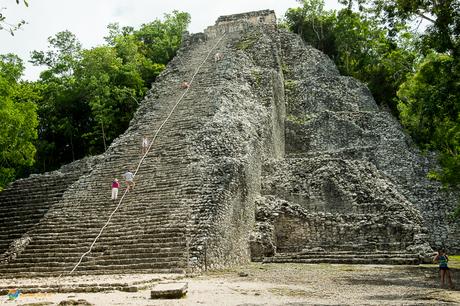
(11, 27)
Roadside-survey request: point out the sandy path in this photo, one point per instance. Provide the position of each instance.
(288, 284)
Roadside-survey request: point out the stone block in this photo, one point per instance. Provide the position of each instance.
(169, 291)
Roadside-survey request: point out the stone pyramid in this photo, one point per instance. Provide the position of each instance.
(270, 155)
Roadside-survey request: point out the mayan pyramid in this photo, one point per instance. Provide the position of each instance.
(270, 155)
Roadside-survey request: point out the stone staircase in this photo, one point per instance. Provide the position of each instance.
(346, 257)
(148, 232)
(26, 201)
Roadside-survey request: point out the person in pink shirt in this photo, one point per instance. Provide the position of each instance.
(115, 186)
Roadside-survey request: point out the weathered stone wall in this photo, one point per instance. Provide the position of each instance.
(239, 23)
(336, 205)
(246, 128)
(26, 201)
(329, 115)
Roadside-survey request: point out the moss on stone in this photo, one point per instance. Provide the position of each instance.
(246, 42)
(285, 68)
(257, 76)
(298, 120)
(290, 85)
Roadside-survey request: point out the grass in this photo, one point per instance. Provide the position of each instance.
(454, 261)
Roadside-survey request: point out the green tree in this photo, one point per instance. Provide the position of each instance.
(416, 75)
(161, 39)
(111, 88)
(64, 114)
(11, 27)
(62, 58)
(18, 120)
(359, 46)
(90, 96)
(314, 24)
(443, 17)
(430, 110)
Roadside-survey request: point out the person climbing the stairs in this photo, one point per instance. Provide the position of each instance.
(145, 144)
(115, 186)
(218, 57)
(185, 85)
(129, 178)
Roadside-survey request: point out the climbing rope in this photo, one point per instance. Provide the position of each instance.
(147, 152)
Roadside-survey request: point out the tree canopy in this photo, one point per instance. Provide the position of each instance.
(412, 70)
(84, 98)
(18, 119)
(11, 27)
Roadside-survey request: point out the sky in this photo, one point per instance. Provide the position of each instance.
(88, 19)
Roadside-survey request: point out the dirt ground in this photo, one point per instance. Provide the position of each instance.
(283, 284)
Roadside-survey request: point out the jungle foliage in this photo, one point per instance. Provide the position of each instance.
(84, 98)
(407, 52)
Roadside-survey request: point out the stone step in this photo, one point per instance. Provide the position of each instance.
(34, 209)
(91, 215)
(36, 188)
(64, 262)
(333, 260)
(126, 209)
(119, 223)
(119, 252)
(114, 239)
(346, 258)
(134, 248)
(18, 273)
(312, 254)
(109, 236)
(123, 220)
(33, 185)
(349, 252)
(124, 216)
(20, 217)
(101, 259)
(10, 203)
(84, 268)
(140, 229)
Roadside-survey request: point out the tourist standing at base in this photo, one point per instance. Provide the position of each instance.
(444, 271)
(115, 186)
(129, 178)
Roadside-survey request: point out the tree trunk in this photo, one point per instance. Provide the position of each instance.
(103, 135)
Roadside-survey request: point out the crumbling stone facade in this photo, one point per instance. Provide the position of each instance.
(270, 153)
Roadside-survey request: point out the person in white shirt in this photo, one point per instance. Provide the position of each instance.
(145, 144)
(129, 178)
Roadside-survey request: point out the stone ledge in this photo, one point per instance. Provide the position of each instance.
(169, 291)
